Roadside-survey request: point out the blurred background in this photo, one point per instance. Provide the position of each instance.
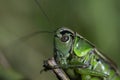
(97, 21)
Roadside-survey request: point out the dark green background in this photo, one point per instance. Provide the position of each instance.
(98, 21)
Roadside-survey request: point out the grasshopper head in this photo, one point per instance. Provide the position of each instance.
(63, 43)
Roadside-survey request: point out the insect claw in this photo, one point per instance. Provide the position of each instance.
(45, 69)
(42, 71)
(46, 66)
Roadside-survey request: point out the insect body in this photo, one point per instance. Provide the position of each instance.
(80, 59)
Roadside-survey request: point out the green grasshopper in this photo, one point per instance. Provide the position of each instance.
(80, 59)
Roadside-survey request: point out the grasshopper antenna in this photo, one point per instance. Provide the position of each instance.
(40, 7)
(33, 34)
(37, 32)
(28, 36)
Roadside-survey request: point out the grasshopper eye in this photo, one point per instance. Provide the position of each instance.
(64, 38)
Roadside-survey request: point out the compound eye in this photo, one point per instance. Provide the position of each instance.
(64, 38)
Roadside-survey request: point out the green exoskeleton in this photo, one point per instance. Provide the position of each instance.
(80, 59)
